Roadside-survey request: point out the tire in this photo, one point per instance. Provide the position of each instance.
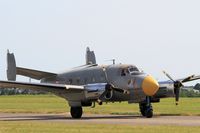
(76, 112)
(149, 113)
(146, 111)
(142, 109)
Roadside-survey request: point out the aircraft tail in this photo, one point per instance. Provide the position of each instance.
(90, 57)
(11, 66)
(13, 70)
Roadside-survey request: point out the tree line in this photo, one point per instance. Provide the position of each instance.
(192, 91)
(15, 91)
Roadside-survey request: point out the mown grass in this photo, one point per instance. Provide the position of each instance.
(53, 127)
(32, 104)
(54, 104)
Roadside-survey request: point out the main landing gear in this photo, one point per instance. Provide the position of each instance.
(146, 108)
(76, 112)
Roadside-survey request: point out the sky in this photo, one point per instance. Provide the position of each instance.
(52, 35)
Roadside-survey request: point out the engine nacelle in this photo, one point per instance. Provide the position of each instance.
(108, 95)
(94, 91)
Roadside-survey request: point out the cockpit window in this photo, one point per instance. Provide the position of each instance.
(129, 70)
(132, 70)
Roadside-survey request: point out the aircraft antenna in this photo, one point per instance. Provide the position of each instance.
(113, 61)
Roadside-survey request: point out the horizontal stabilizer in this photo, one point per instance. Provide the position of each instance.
(35, 74)
(13, 70)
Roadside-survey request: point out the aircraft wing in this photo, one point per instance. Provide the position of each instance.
(54, 88)
(35, 74)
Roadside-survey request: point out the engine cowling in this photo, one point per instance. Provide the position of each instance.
(94, 91)
(108, 95)
(99, 90)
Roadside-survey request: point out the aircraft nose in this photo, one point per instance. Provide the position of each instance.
(150, 86)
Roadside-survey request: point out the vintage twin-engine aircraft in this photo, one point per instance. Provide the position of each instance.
(90, 83)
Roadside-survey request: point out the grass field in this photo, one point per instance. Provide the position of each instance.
(41, 127)
(54, 104)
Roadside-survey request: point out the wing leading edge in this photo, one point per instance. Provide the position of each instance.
(53, 88)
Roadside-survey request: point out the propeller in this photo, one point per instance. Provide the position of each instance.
(178, 84)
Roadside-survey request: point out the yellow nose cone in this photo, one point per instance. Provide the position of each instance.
(150, 86)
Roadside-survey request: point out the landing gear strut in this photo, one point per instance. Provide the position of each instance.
(146, 108)
(76, 112)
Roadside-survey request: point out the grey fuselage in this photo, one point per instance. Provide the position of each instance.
(100, 74)
(96, 74)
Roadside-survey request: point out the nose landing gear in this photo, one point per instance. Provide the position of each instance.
(146, 108)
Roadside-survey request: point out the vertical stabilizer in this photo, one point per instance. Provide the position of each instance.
(11, 66)
(90, 57)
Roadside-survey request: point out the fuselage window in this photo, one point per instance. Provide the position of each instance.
(93, 79)
(102, 77)
(123, 73)
(78, 81)
(85, 81)
(70, 81)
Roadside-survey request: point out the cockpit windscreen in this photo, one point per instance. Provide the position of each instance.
(131, 70)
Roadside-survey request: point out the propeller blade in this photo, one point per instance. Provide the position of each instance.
(176, 93)
(169, 76)
(177, 85)
(188, 78)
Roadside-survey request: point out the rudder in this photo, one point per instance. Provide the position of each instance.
(90, 57)
(11, 66)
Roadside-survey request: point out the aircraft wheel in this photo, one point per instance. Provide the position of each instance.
(149, 112)
(142, 108)
(76, 112)
(146, 111)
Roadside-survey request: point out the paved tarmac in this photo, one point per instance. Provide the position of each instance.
(105, 119)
